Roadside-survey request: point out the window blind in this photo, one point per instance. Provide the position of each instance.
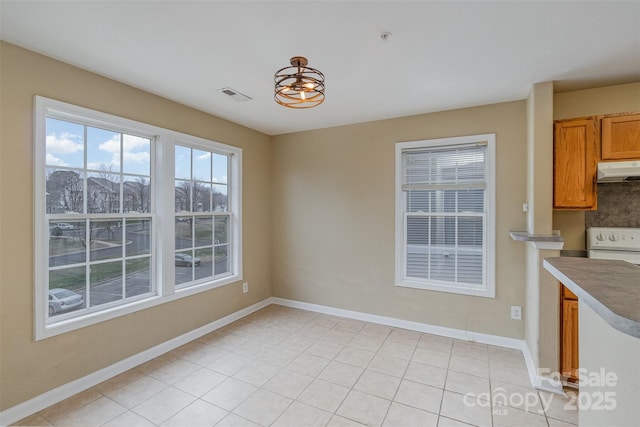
(445, 219)
(457, 167)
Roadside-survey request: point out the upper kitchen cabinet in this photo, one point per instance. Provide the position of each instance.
(621, 137)
(575, 163)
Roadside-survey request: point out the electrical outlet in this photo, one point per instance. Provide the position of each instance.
(516, 312)
(525, 207)
(245, 287)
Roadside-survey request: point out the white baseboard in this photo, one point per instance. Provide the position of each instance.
(405, 324)
(550, 385)
(539, 381)
(543, 383)
(58, 394)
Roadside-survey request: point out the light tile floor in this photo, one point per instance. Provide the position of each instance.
(287, 367)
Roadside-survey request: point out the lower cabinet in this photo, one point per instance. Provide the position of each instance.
(569, 363)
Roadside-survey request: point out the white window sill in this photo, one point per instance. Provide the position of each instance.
(452, 289)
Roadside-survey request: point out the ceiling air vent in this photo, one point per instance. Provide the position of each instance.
(234, 94)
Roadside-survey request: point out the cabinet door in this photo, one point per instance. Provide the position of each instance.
(621, 137)
(575, 164)
(569, 359)
(566, 293)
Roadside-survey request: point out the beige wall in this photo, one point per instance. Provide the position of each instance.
(589, 102)
(333, 219)
(29, 368)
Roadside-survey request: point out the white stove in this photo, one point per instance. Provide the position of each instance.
(615, 243)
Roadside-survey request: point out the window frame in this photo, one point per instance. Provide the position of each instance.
(202, 144)
(401, 277)
(162, 269)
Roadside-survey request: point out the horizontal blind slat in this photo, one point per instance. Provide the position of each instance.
(448, 186)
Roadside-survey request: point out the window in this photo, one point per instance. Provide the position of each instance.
(445, 208)
(100, 254)
(202, 218)
(128, 216)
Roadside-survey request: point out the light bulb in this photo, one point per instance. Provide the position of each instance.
(302, 94)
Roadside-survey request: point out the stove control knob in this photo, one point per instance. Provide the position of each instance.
(600, 237)
(613, 238)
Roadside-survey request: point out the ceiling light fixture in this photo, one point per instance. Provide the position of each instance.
(299, 86)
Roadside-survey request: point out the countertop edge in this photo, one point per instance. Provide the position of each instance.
(523, 236)
(616, 321)
(539, 241)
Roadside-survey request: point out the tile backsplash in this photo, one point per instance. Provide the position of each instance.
(618, 206)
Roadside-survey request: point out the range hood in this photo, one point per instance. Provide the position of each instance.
(619, 171)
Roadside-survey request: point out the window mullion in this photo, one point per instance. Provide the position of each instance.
(429, 247)
(192, 209)
(85, 181)
(455, 249)
(123, 261)
(457, 231)
(121, 174)
(230, 183)
(87, 260)
(165, 228)
(123, 242)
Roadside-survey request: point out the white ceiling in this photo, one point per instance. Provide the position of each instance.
(441, 55)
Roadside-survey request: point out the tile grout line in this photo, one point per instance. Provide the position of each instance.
(444, 386)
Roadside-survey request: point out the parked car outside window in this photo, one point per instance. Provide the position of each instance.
(185, 260)
(61, 300)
